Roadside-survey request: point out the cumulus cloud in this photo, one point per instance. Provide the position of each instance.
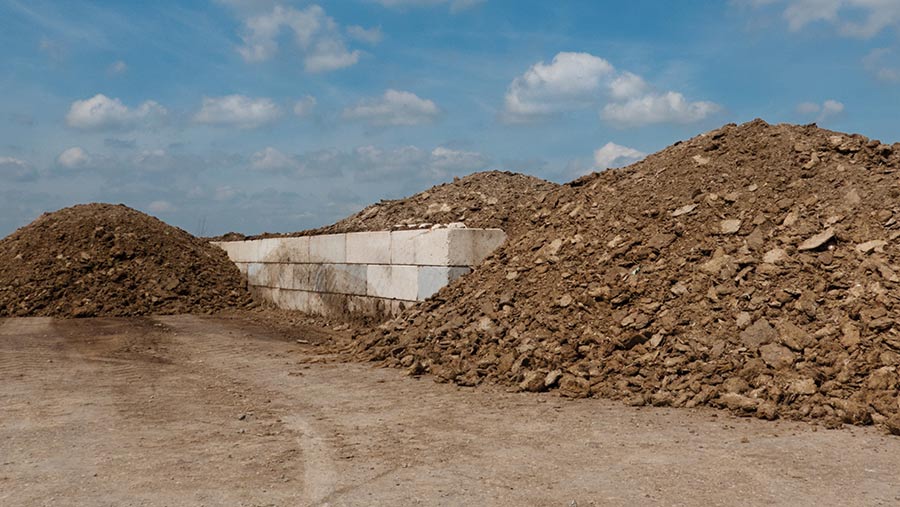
(316, 35)
(369, 36)
(822, 111)
(270, 159)
(101, 113)
(394, 108)
(237, 111)
(16, 169)
(73, 158)
(668, 107)
(615, 155)
(575, 81)
(876, 63)
(852, 18)
(305, 106)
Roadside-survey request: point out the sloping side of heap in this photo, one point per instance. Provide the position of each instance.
(103, 259)
(755, 267)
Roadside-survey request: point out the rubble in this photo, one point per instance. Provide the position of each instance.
(110, 260)
(726, 270)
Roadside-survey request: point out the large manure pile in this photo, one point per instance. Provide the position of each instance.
(755, 267)
(103, 259)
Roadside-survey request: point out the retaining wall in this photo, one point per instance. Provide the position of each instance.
(363, 273)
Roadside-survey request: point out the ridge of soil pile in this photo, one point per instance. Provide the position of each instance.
(111, 260)
(489, 199)
(754, 268)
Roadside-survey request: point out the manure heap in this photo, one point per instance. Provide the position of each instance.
(111, 260)
(754, 268)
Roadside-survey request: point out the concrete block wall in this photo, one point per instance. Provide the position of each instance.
(364, 273)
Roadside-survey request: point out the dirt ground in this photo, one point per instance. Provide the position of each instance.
(191, 410)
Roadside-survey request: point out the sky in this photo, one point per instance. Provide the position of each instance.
(258, 115)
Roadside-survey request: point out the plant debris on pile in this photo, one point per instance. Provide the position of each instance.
(490, 199)
(754, 267)
(103, 259)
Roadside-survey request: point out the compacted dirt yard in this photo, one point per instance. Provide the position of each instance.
(189, 410)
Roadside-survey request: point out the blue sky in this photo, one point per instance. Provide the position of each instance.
(257, 115)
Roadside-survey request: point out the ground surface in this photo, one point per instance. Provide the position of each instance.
(206, 411)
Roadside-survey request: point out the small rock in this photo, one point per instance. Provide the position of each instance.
(729, 226)
(776, 356)
(760, 333)
(574, 387)
(775, 256)
(738, 403)
(743, 320)
(684, 210)
(533, 382)
(552, 378)
(700, 159)
(803, 386)
(565, 301)
(817, 241)
(876, 245)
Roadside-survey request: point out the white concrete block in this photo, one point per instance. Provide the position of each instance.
(457, 247)
(434, 278)
(238, 251)
(369, 247)
(242, 267)
(255, 273)
(328, 248)
(283, 275)
(339, 278)
(403, 246)
(470, 247)
(291, 250)
(393, 282)
(265, 248)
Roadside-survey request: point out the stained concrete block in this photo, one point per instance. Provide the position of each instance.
(242, 267)
(283, 275)
(392, 282)
(434, 278)
(369, 248)
(328, 248)
(291, 250)
(457, 247)
(302, 279)
(339, 278)
(403, 246)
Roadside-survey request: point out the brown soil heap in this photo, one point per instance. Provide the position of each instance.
(103, 259)
(754, 267)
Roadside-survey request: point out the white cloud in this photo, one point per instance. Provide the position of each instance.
(161, 207)
(875, 64)
(237, 111)
(577, 81)
(16, 169)
(394, 108)
(369, 36)
(455, 161)
(305, 106)
(823, 111)
(852, 18)
(118, 67)
(615, 155)
(570, 81)
(73, 158)
(316, 35)
(101, 112)
(668, 107)
(270, 159)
